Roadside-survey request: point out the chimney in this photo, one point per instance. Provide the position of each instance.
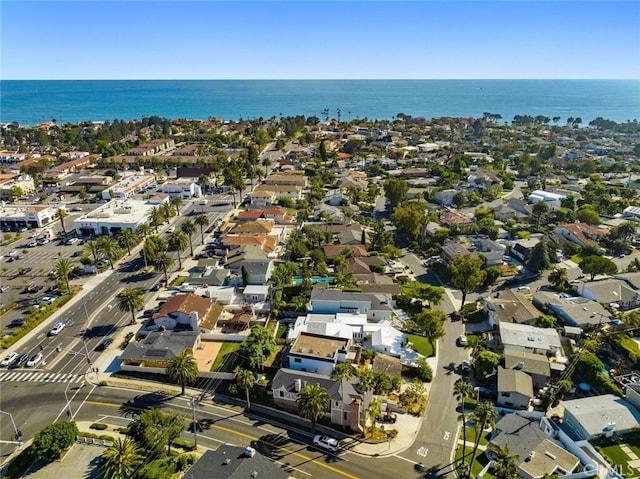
(298, 385)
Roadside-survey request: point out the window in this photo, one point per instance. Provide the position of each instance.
(297, 360)
(505, 395)
(281, 394)
(345, 415)
(337, 403)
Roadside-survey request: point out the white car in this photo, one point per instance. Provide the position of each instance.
(522, 289)
(57, 329)
(326, 442)
(12, 253)
(72, 241)
(8, 359)
(33, 244)
(171, 229)
(462, 340)
(35, 359)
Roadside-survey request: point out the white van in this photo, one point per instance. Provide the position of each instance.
(204, 202)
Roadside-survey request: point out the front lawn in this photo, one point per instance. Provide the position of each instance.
(620, 458)
(227, 358)
(471, 436)
(421, 345)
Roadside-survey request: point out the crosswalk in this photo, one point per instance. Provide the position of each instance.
(39, 376)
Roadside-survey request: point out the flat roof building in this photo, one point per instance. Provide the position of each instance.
(114, 216)
(128, 186)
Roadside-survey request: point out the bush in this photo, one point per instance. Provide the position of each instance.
(184, 444)
(123, 430)
(99, 426)
(54, 439)
(106, 437)
(184, 461)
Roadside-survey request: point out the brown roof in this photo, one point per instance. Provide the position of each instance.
(334, 251)
(250, 215)
(585, 232)
(212, 318)
(265, 242)
(252, 227)
(453, 217)
(187, 304)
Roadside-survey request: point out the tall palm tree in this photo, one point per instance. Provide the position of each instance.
(178, 241)
(245, 380)
(91, 247)
(120, 460)
(156, 216)
(344, 370)
(62, 269)
(505, 466)
(167, 209)
(188, 227)
(374, 412)
(127, 239)
(108, 249)
(62, 214)
(162, 262)
(176, 202)
(367, 380)
(463, 390)
(130, 300)
(182, 369)
(143, 230)
(312, 401)
(484, 415)
(153, 245)
(202, 221)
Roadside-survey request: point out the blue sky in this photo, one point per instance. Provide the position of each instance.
(329, 39)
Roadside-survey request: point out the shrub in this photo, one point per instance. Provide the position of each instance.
(184, 461)
(184, 444)
(106, 437)
(123, 430)
(50, 442)
(99, 426)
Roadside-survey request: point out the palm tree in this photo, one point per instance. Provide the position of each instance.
(91, 247)
(367, 380)
(120, 460)
(176, 202)
(312, 401)
(156, 217)
(558, 277)
(188, 228)
(62, 214)
(374, 412)
(182, 369)
(130, 300)
(463, 390)
(143, 230)
(62, 269)
(484, 415)
(202, 221)
(245, 380)
(343, 370)
(162, 262)
(108, 249)
(167, 209)
(127, 239)
(178, 241)
(505, 466)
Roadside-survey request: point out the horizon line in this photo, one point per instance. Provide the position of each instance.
(319, 79)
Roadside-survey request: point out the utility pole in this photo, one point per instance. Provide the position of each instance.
(195, 402)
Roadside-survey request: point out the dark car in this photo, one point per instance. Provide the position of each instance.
(104, 344)
(20, 360)
(17, 323)
(389, 417)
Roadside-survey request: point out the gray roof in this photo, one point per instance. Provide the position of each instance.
(230, 462)
(611, 290)
(328, 294)
(161, 345)
(577, 310)
(256, 266)
(344, 391)
(522, 435)
(632, 279)
(513, 380)
(510, 306)
(530, 363)
(211, 276)
(594, 413)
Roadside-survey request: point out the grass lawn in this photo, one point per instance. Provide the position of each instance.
(620, 458)
(478, 463)
(471, 436)
(227, 360)
(421, 345)
(282, 331)
(576, 258)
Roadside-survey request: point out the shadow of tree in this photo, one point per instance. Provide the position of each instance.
(134, 406)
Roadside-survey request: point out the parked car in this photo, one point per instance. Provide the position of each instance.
(17, 322)
(171, 229)
(8, 359)
(72, 241)
(35, 359)
(462, 340)
(522, 289)
(104, 344)
(326, 442)
(391, 417)
(33, 244)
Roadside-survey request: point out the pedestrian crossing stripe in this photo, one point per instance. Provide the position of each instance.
(42, 377)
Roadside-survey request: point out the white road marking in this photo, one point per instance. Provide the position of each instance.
(423, 451)
(446, 435)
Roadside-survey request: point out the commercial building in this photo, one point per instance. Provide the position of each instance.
(128, 186)
(15, 217)
(9, 183)
(112, 217)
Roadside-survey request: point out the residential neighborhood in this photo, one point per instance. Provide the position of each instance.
(340, 278)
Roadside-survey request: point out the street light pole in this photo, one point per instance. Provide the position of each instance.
(195, 402)
(17, 433)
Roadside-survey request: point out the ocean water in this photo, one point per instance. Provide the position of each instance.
(32, 102)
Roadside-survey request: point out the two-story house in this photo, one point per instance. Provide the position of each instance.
(317, 353)
(377, 307)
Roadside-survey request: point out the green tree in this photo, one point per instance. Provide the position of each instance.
(162, 262)
(62, 269)
(486, 362)
(559, 278)
(312, 401)
(91, 247)
(120, 460)
(182, 370)
(586, 214)
(374, 412)
(176, 202)
(61, 214)
(127, 239)
(188, 227)
(366, 380)
(424, 371)
(462, 390)
(179, 242)
(130, 301)
(505, 466)
(245, 380)
(201, 221)
(595, 265)
(15, 192)
(108, 249)
(539, 211)
(466, 274)
(395, 190)
(431, 324)
(408, 219)
(259, 345)
(344, 371)
(484, 415)
(51, 441)
(539, 259)
(544, 321)
(153, 430)
(156, 217)
(379, 237)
